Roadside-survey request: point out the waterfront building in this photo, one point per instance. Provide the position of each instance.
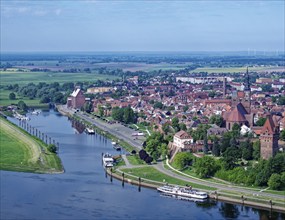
(76, 99)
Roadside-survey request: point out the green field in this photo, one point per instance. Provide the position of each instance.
(151, 173)
(238, 69)
(5, 101)
(21, 152)
(12, 77)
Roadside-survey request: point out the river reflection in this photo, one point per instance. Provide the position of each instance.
(85, 192)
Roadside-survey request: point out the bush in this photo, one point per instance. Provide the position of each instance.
(143, 154)
(148, 159)
(52, 148)
(133, 152)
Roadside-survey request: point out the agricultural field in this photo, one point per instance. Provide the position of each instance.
(12, 77)
(5, 101)
(239, 69)
(22, 152)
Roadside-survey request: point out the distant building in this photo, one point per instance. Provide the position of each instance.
(94, 90)
(269, 139)
(76, 99)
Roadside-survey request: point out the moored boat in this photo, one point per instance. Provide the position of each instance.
(108, 160)
(183, 191)
(89, 131)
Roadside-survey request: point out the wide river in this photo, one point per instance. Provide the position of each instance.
(85, 192)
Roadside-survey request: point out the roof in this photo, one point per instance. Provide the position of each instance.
(268, 126)
(75, 92)
(182, 135)
(237, 115)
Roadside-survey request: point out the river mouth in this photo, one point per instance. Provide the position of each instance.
(85, 192)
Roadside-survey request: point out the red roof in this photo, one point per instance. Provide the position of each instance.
(237, 115)
(268, 126)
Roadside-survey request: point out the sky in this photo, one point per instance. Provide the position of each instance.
(105, 25)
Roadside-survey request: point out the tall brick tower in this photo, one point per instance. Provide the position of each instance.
(269, 139)
(247, 93)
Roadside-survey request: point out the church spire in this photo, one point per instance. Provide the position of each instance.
(247, 84)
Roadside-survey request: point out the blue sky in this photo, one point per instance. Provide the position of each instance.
(77, 25)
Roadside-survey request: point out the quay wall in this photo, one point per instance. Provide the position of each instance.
(215, 196)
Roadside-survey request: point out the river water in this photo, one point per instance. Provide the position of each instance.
(85, 192)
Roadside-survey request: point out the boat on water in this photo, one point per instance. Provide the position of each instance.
(117, 147)
(182, 198)
(108, 160)
(113, 142)
(183, 192)
(89, 131)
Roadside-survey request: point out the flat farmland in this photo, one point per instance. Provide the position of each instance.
(239, 69)
(12, 77)
(4, 100)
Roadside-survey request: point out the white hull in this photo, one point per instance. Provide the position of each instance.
(183, 192)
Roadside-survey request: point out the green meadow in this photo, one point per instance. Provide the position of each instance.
(12, 77)
(24, 153)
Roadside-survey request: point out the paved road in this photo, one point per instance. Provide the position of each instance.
(116, 129)
(160, 167)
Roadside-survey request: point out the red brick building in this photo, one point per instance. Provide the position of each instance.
(269, 139)
(76, 99)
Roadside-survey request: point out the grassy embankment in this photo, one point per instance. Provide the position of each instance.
(24, 153)
(152, 174)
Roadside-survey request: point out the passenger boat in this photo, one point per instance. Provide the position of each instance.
(108, 160)
(89, 131)
(183, 191)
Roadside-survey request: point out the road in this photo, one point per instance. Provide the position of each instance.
(117, 129)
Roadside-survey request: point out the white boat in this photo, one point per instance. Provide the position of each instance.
(89, 131)
(113, 142)
(108, 160)
(183, 191)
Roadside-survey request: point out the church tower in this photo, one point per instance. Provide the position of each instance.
(247, 93)
(269, 139)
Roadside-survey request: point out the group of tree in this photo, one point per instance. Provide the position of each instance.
(264, 173)
(145, 156)
(125, 115)
(156, 145)
(53, 92)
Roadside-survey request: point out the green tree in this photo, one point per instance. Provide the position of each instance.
(205, 166)
(52, 148)
(216, 119)
(158, 105)
(256, 150)
(175, 124)
(182, 160)
(183, 127)
(261, 121)
(230, 157)
(101, 110)
(12, 96)
(205, 146)
(274, 181)
(216, 148)
(282, 135)
(22, 105)
(185, 108)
